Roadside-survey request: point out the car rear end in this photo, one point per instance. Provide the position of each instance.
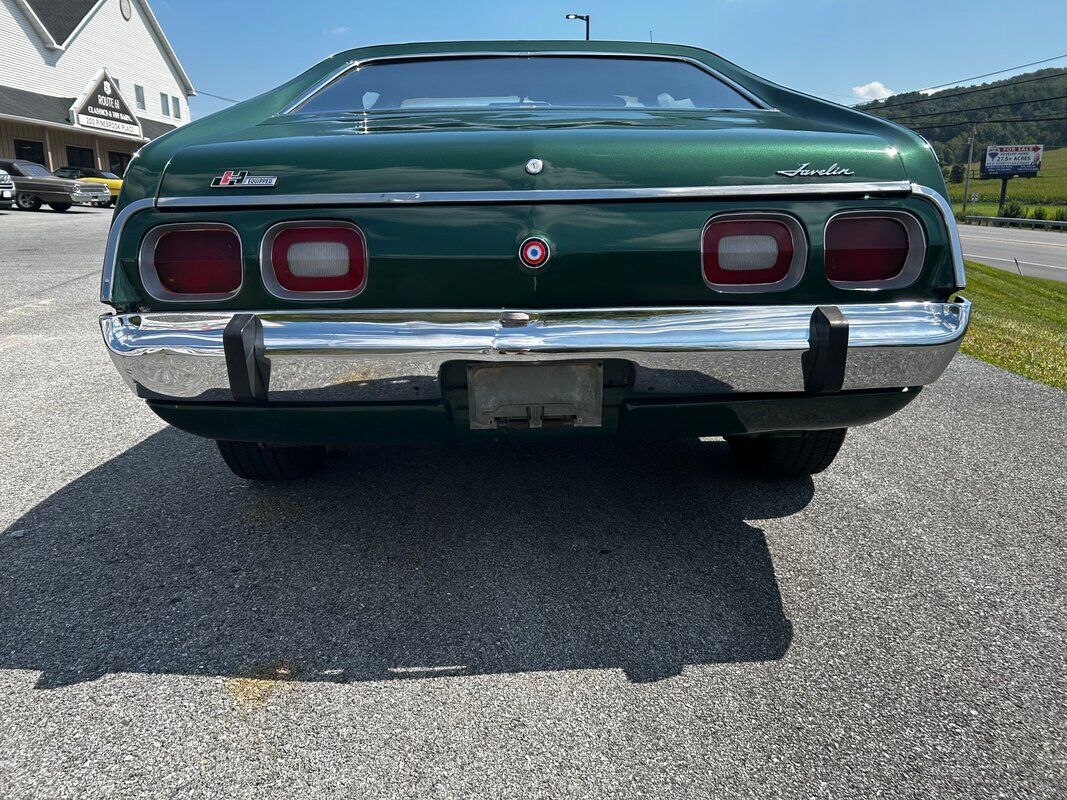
(314, 279)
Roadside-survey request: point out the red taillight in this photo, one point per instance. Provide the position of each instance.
(322, 259)
(192, 263)
(883, 250)
(753, 252)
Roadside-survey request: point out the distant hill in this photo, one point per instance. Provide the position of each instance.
(1017, 97)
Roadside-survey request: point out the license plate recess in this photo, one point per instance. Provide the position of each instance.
(540, 395)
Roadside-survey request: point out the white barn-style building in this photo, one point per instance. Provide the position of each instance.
(86, 82)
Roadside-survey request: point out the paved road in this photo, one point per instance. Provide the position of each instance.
(1041, 254)
(543, 620)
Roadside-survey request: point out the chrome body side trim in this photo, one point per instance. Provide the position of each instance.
(111, 251)
(888, 188)
(338, 73)
(949, 216)
(394, 355)
(536, 195)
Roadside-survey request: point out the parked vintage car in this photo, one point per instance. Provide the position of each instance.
(480, 239)
(88, 175)
(7, 190)
(36, 186)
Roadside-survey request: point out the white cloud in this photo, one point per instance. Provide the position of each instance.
(875, 90)
(338, 30)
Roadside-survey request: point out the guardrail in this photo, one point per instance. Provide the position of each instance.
(1009, 222)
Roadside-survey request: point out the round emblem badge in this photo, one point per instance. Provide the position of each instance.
(534, 253)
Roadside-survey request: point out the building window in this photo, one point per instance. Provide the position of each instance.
(165, 101)
(139, 91)
(177, 107)
(81, 157)
(29, 151)
(118, 162)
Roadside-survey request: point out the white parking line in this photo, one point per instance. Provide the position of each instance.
(1013, 261)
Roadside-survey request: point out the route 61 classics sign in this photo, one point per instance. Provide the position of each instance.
(103, 108)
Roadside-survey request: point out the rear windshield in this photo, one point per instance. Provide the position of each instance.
(31, 170)
(526, 82)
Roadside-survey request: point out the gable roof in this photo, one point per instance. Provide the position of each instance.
(60, 18)
(57, 21)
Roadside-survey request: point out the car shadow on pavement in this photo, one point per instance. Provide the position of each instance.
(398, 562)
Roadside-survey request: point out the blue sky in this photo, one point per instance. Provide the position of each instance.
(238, 48)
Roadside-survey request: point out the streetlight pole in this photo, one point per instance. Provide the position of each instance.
(584, 18)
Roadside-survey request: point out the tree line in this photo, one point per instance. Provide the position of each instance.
(947, 117)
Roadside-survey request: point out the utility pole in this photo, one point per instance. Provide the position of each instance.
(967, 175)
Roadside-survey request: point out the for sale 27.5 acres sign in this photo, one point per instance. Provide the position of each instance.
(1005, 161)
(103, 108)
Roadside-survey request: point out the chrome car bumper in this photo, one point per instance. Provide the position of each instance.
(363, 356)
(90, 195)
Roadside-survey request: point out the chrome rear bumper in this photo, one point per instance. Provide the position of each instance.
(82, 196)
(362, 356)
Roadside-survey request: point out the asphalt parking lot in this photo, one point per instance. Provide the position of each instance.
(543, 620)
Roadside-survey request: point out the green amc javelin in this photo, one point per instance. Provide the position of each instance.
(521, 239)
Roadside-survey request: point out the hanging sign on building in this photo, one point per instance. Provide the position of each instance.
(102, 107)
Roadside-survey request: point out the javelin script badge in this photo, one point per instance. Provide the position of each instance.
(803, 172)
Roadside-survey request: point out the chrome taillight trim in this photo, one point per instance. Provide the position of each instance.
(796, 266)
(913, 264)
(146, 262)
(266, 261)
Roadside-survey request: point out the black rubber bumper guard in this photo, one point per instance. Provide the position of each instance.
(824, 362)
(248, 367)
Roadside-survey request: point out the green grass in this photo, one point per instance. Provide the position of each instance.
(990, 209)
(1048, 189)
(1018, 323)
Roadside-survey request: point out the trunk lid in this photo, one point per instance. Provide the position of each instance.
(488, 152)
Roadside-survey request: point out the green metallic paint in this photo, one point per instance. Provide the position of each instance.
(641, 253)
(621, 254)
(630, 253)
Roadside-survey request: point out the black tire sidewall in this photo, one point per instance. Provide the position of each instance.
(34, 202)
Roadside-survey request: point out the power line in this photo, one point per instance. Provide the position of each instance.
(218, 97)
(894, 106)
(933, 125)
(997, 72)
(979, 108)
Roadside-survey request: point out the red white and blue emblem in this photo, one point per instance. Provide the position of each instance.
(534, 253)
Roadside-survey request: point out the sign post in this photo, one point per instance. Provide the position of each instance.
(1011, 161)
(103, 108)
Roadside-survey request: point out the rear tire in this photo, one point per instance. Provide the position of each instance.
(256, 461)
(27, 202)
(60, 207)
(787, 456)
